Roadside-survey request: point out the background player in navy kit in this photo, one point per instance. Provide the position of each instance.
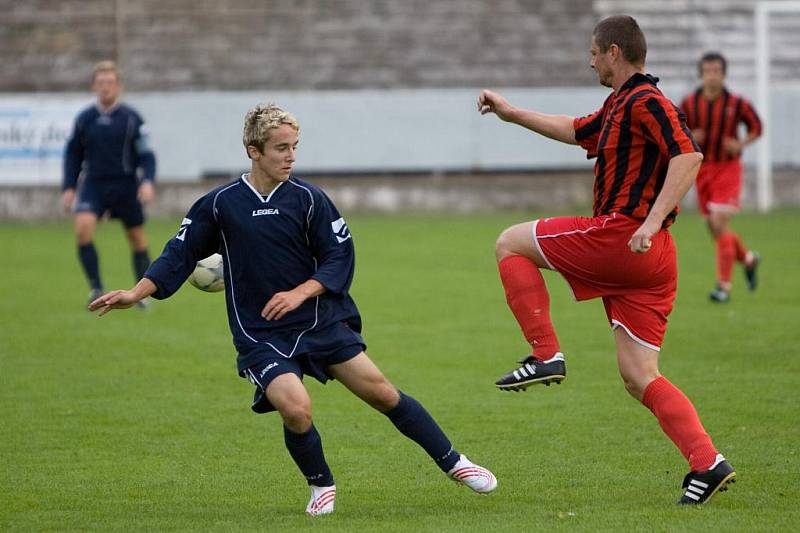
(108, 145)
(289, 261)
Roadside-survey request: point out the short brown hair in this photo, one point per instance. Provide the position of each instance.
(106, 66)
(711, 57)
(625, 32)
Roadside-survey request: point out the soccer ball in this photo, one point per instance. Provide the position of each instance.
(208, 275)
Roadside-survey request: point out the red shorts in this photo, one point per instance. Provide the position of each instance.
(719, 185)
(592, 254)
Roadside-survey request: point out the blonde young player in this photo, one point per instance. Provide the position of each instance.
(289, 261)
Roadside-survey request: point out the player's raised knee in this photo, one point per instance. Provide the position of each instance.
(504, 245)
(518, 240)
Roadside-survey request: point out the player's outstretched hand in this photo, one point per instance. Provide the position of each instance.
(282, 303)
(118, 299)
(640, 241)
(491, 102)
(147, 192)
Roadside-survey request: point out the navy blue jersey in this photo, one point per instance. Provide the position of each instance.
(268, 245)
(108, 146)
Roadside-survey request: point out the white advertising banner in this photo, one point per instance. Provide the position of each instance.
(33, 132)
(199, 133)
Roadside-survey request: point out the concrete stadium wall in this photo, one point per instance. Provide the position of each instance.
(382, 194)
(50, 45)
(379, 85)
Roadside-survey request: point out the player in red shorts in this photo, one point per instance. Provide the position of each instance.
(624, 254)
(714, 114)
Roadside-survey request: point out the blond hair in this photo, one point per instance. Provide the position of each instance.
(106, 66)
(262, 118)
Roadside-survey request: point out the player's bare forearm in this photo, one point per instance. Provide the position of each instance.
(284, 302)
(681, 174)
(121, 299)
(557, 127)
(144, 288)
(310, 289)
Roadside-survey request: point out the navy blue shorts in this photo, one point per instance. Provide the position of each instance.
(333, 345)
(119, 199)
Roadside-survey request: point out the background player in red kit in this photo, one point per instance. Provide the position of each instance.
(714, 114)
(646, 161)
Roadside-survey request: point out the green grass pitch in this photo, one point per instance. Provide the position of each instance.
(137, 421)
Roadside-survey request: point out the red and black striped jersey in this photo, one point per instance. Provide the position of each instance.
(719, 119)
(634, 135)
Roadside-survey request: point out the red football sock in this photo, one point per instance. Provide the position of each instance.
(741, 251)
(726, 255)
(678, 418)
(528, 299)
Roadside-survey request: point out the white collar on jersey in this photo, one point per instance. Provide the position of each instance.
(107, 110)
(246, 181)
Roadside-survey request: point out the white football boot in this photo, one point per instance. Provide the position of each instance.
(476, 477)
(322, 499)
